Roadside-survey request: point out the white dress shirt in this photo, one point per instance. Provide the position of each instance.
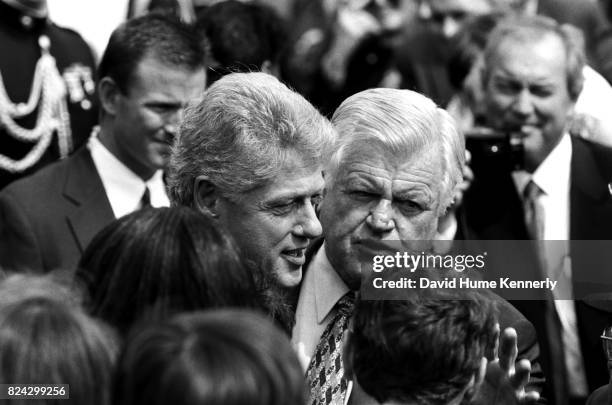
(124, 189)
(553, 178)
(321, 289)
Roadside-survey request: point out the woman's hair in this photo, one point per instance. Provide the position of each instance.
(229, 357)
(46, 338)
(156, 262)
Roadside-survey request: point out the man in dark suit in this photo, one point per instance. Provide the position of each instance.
(152, 67)
(391, 177)
(532, 77)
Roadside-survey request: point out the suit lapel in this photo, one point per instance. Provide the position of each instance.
(83, 187)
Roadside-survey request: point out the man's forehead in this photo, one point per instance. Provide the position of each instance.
(536, 52)
(370, 162)
(292, 182)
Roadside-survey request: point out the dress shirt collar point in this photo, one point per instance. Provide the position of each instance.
(329, 287)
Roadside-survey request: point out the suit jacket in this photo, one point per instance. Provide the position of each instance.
(47, 219)
(492, 210)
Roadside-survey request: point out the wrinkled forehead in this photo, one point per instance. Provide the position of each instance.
(379, 155)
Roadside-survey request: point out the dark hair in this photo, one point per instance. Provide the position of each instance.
(214, 357)
(242, 36)
(425, 348)
(156, 262)
(46, 338)
(469, 45)
(158, 35)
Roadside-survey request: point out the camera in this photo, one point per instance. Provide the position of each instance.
(492, 147)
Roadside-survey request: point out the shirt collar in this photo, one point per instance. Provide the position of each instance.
(123, 187)
(329, 287)
(553, 173)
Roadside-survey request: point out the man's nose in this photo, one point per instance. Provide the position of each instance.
(308, 225)
(173, 121)
(380, 218)
(523, 104)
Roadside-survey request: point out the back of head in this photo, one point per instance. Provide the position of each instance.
(427, 348)
(163, 37)
(527, 30)
(243, 37)
(225, 357)
(402, 123)
(155, 262)
(45, 338)
(242, 133)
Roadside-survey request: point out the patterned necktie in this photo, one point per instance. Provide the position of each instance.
(325, 374)
(145, 200)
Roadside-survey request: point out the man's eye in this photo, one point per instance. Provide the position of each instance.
(409, 206)
(283, 209)
(316, 199)
(362, 195)
(541, 91)
(161, 109)
(507, 87)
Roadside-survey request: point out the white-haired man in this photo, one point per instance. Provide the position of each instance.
(391, 176)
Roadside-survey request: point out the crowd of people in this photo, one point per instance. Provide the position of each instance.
(191, 220)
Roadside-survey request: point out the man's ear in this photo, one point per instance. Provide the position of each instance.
(109, 94)
(206, 196)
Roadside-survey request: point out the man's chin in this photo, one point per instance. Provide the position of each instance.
(289, 278)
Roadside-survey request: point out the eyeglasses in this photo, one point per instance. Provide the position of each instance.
(606, 340)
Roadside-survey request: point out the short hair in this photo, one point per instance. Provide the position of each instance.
(529, 29)
(403, 123)
(213, 357)
(163, 37)
(242, 36)
(46, 338)
(156, 262)
(425, 348)
(241, 134)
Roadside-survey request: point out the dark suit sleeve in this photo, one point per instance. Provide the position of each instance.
(19, 250)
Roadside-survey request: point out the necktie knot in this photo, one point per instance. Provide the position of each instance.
(532, 192)
(345, 305)
(145, 200)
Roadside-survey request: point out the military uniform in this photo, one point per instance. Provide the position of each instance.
(20, 47)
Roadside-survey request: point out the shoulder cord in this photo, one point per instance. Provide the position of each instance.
(49, 94)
